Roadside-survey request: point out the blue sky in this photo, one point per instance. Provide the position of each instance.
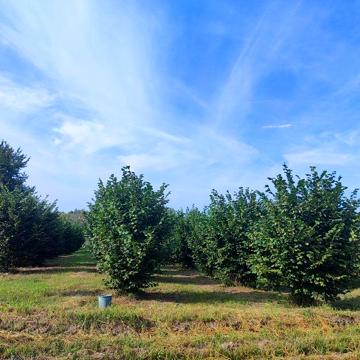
(198, 94)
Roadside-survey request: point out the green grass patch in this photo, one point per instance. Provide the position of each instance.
(52, 312)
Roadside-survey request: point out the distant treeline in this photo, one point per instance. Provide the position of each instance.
(31, 228)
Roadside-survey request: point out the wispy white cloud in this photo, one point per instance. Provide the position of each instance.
(205, 149)
(103, 60)
(339, 149)
(22, 98)
(115, 101)
(112, 72)
(237, 92)
(190, 93)
(350, 138)
(321, 156)
(161, 157)
(278, 126)
(256, 55)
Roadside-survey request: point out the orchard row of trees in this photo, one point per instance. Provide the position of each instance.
(301, 234)
(31, 228)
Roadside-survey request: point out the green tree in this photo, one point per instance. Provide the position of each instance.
(230, 220)
(307, 239)
(179, 250)
(12, 163)
(31, 229)
(28, 229)
(127, 225)
(76, 217)
(197, 222)
(72, 234)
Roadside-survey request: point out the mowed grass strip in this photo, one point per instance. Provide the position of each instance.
(51, 313)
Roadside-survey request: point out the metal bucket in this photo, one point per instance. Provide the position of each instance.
(104, 301)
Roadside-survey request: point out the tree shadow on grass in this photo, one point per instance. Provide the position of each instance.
(55, 270)
(170, 271)
(84, 293)
(212, 297)
(184, 277)
(186, 280)
(79, 264)
(347, 304)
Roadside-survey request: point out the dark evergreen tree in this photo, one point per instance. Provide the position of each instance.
(12, 163)
(72, 234)
(31, 229)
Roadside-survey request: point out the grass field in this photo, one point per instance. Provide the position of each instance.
(51, 313)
